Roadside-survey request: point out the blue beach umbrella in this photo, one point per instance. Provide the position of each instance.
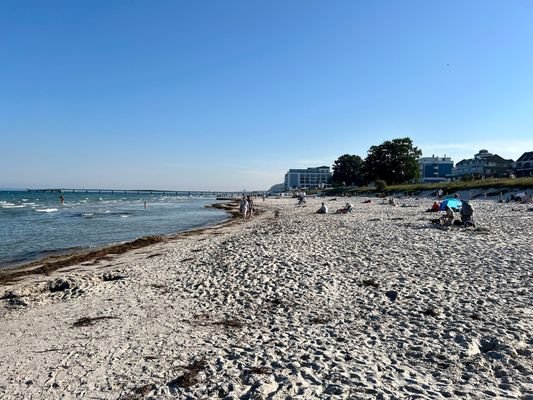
(452, 203)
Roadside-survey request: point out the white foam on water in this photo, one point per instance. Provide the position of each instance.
(47, 210)
(88, 215)
(11, 206)
(124, 216)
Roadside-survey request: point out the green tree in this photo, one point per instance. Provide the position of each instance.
(347, 169)
(394, 161)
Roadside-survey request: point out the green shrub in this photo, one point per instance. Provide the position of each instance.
(380, 185)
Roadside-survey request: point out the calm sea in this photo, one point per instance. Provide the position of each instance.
(34, 225)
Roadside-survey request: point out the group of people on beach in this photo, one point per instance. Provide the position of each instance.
(464, 208)
(344, 210)
(246, 207)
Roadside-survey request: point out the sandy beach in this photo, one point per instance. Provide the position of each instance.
(375, 304)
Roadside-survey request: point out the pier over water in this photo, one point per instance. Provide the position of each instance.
(142, 191)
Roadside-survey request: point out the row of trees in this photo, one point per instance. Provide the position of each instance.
(393, 161)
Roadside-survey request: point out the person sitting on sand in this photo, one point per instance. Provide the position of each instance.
(346, 209)
(447, 219)
(434, 208)
(467, 214)
(323, 209)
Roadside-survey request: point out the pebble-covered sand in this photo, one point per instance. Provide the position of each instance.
(376, 304)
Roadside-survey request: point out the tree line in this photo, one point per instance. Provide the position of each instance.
(394, 162)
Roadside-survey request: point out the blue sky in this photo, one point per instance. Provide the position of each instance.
(228, 95)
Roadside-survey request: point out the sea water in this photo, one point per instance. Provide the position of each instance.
(36, 224)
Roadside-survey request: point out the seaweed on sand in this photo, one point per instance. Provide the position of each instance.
(190, 376)
(87, 321)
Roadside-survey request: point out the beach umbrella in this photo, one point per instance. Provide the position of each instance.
(452, 203)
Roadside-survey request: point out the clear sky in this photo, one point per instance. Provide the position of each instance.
(228, 95)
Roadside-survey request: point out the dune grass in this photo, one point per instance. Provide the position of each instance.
(517, 183)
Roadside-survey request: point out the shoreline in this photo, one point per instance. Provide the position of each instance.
(48, 264)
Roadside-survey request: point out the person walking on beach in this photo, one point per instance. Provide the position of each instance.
(243, 208)
(250, 207)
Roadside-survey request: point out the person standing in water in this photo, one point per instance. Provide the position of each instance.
(61, 199)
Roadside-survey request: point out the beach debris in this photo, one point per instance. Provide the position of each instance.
(8, 295)
(109, 277)
(319, 320)
(67, 261)
(86, 321)
(370, 282)
(190, 376)
(392, 295)
(261, 370)
(59, 285)
(432, 312)
(154, 255)
(13, 300)
(139, 392)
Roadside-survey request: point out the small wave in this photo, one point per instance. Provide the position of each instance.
(47, 210)
(124, 215)
(11, 206)
(87, 215)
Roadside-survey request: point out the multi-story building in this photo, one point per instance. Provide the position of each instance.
(484, 164)
(318, 177)
(524, 165)
(435, 169)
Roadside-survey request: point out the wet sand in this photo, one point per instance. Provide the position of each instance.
(373, 304)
